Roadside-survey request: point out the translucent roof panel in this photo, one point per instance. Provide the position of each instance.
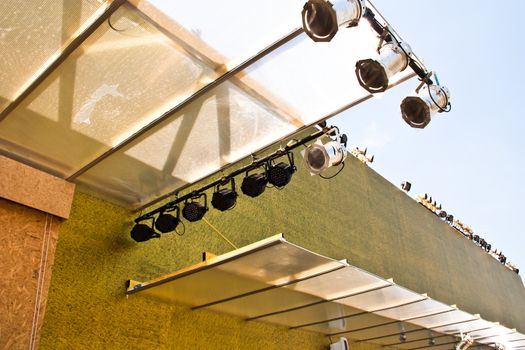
(454, 317)
(119, 80)
(329, 285)
(464, 327)
(32, 33)
(241, 29)
(273, 281)
(415, 310)
(230, 279)
(390, 297)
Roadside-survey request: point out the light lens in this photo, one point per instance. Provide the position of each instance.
(280, 174)
(193, 211)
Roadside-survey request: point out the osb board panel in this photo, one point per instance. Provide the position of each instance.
(28, 244)
(34, 188)
(357, 215)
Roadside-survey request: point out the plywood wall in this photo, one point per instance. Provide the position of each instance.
(27, 246)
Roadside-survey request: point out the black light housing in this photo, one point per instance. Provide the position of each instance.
(142, 233)
(281, 173)
(193, 210)
(224, 199)
(167, 222)
(254, 185)
(406, 186)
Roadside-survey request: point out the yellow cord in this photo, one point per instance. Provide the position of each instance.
(219, 233)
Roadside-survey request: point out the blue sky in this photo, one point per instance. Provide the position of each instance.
(470, 159)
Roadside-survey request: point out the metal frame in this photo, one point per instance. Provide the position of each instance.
(66, 52)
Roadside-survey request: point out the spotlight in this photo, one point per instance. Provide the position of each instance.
(442, 214)
(449, 218)
(402, 337)
(406, 186)
(280, 174)
(224, 199)
(143, 233)
(417, 110)
(193, 210)
(254, 185)
(319, 157)
(322, 18)
(167, 222)
(373, 74)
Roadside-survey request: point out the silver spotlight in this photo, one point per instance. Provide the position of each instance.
(320, 156)
(322, 18)
(373, 74)
(417, 110)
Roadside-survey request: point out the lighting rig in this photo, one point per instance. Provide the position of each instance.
(321, 21)
(327, 151)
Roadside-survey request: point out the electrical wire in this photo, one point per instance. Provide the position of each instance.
(332, 176)
(219, 233)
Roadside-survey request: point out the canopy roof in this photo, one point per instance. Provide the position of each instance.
(135, 102)
(278, 282)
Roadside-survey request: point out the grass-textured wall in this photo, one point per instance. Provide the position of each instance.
(357, 215)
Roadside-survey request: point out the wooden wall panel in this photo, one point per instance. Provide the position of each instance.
(34, 188)
(27, 249)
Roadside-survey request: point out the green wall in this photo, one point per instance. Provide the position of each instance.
(358, 215)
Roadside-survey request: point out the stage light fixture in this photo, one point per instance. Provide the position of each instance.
(321, 18)
(254, 185)
(194, 210)
(320, 156)
(142, 232)
(168, 222)
(417, 110)
(406, 186)
(442, 214)
(374, 74)
(224, 199)
(280, 174)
